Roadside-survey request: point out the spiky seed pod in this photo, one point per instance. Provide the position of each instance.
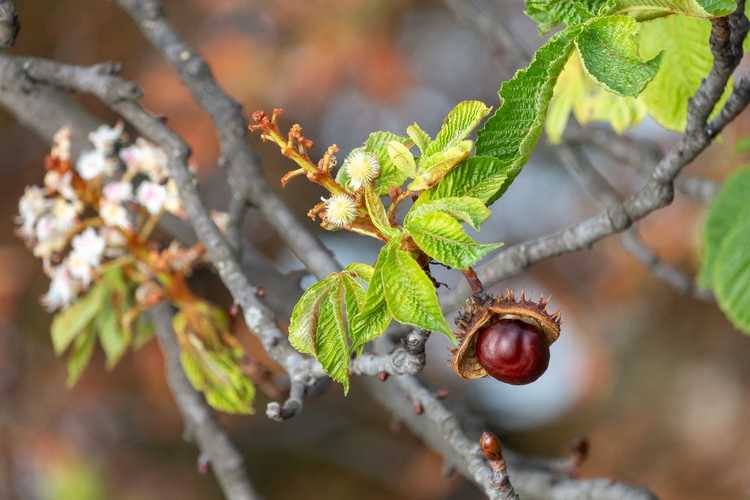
(504, 337)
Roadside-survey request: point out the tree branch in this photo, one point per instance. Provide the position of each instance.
(605, 196)
(212, 440)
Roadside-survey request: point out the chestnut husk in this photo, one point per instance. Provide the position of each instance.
(482, 310)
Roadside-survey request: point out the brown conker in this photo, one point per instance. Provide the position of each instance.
(505, 338)
(512, 351)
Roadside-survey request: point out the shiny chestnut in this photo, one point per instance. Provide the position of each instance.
(505, 338)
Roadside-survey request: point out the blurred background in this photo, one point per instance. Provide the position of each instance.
(659, 383)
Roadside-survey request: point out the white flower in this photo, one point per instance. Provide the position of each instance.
(118, 191)
(173, 204)
(61, 144)
(115, 241)
(59, 183)
(362, 167)
(145, 158)
(31, 206)
(340, 210)
(114, 215)
(79, 269)
(62, 290)
(92, 164)
(89, 247)
(104, 138)
(152, 196)
(65, 214)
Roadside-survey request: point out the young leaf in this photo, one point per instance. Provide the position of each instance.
(363, 271)
(374, 317)
(68, 323)
(478, 177)
(113, 338)
(435, 167)
(609, 52)
(732, 276)
(377, 213)
(550, 13)
(143, 331)
(304, 321)
(472, 211)
(418, 136)
(650, 9)
(729, 208)
(217, 374)
(578, 93)
(410, 294)
(457, 126)
(390, 176)
(686, 62)
(440, 236)
(331, 344)
(80, 355)
(402, 158)
(511, 134)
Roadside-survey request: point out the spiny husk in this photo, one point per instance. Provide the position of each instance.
(480, 311)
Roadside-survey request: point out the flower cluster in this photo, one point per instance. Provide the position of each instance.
(90, 212)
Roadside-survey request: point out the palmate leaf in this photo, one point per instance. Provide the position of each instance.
(80, 355)
(70, 322)
(440, 236)
(377, 212)
(686, 62)
(512, 132)
(409, 292)
(390, 175)
(730, 208)
(609, 51)
(435, 167)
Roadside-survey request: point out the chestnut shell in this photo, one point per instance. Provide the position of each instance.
(481, 311)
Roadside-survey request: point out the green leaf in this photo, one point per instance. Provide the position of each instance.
(113, 338)
(650, 9)
(374, 317)
(390, 175)
(409, 292)
(217, 374)
(440, 236)
(732, 275)
(512, 132)
(473, 211)
(80, 355)
(68, 323)
(304, 321)
(686, 62)
(609, 52)
(579, 93)
(478, 177)
(377, 213)
(457, 126)
(418, 136)
(402, 158)
(363, 271)
(143, 332)
(730, 207)
(331, 344)
(550, 13)
(435, 167)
